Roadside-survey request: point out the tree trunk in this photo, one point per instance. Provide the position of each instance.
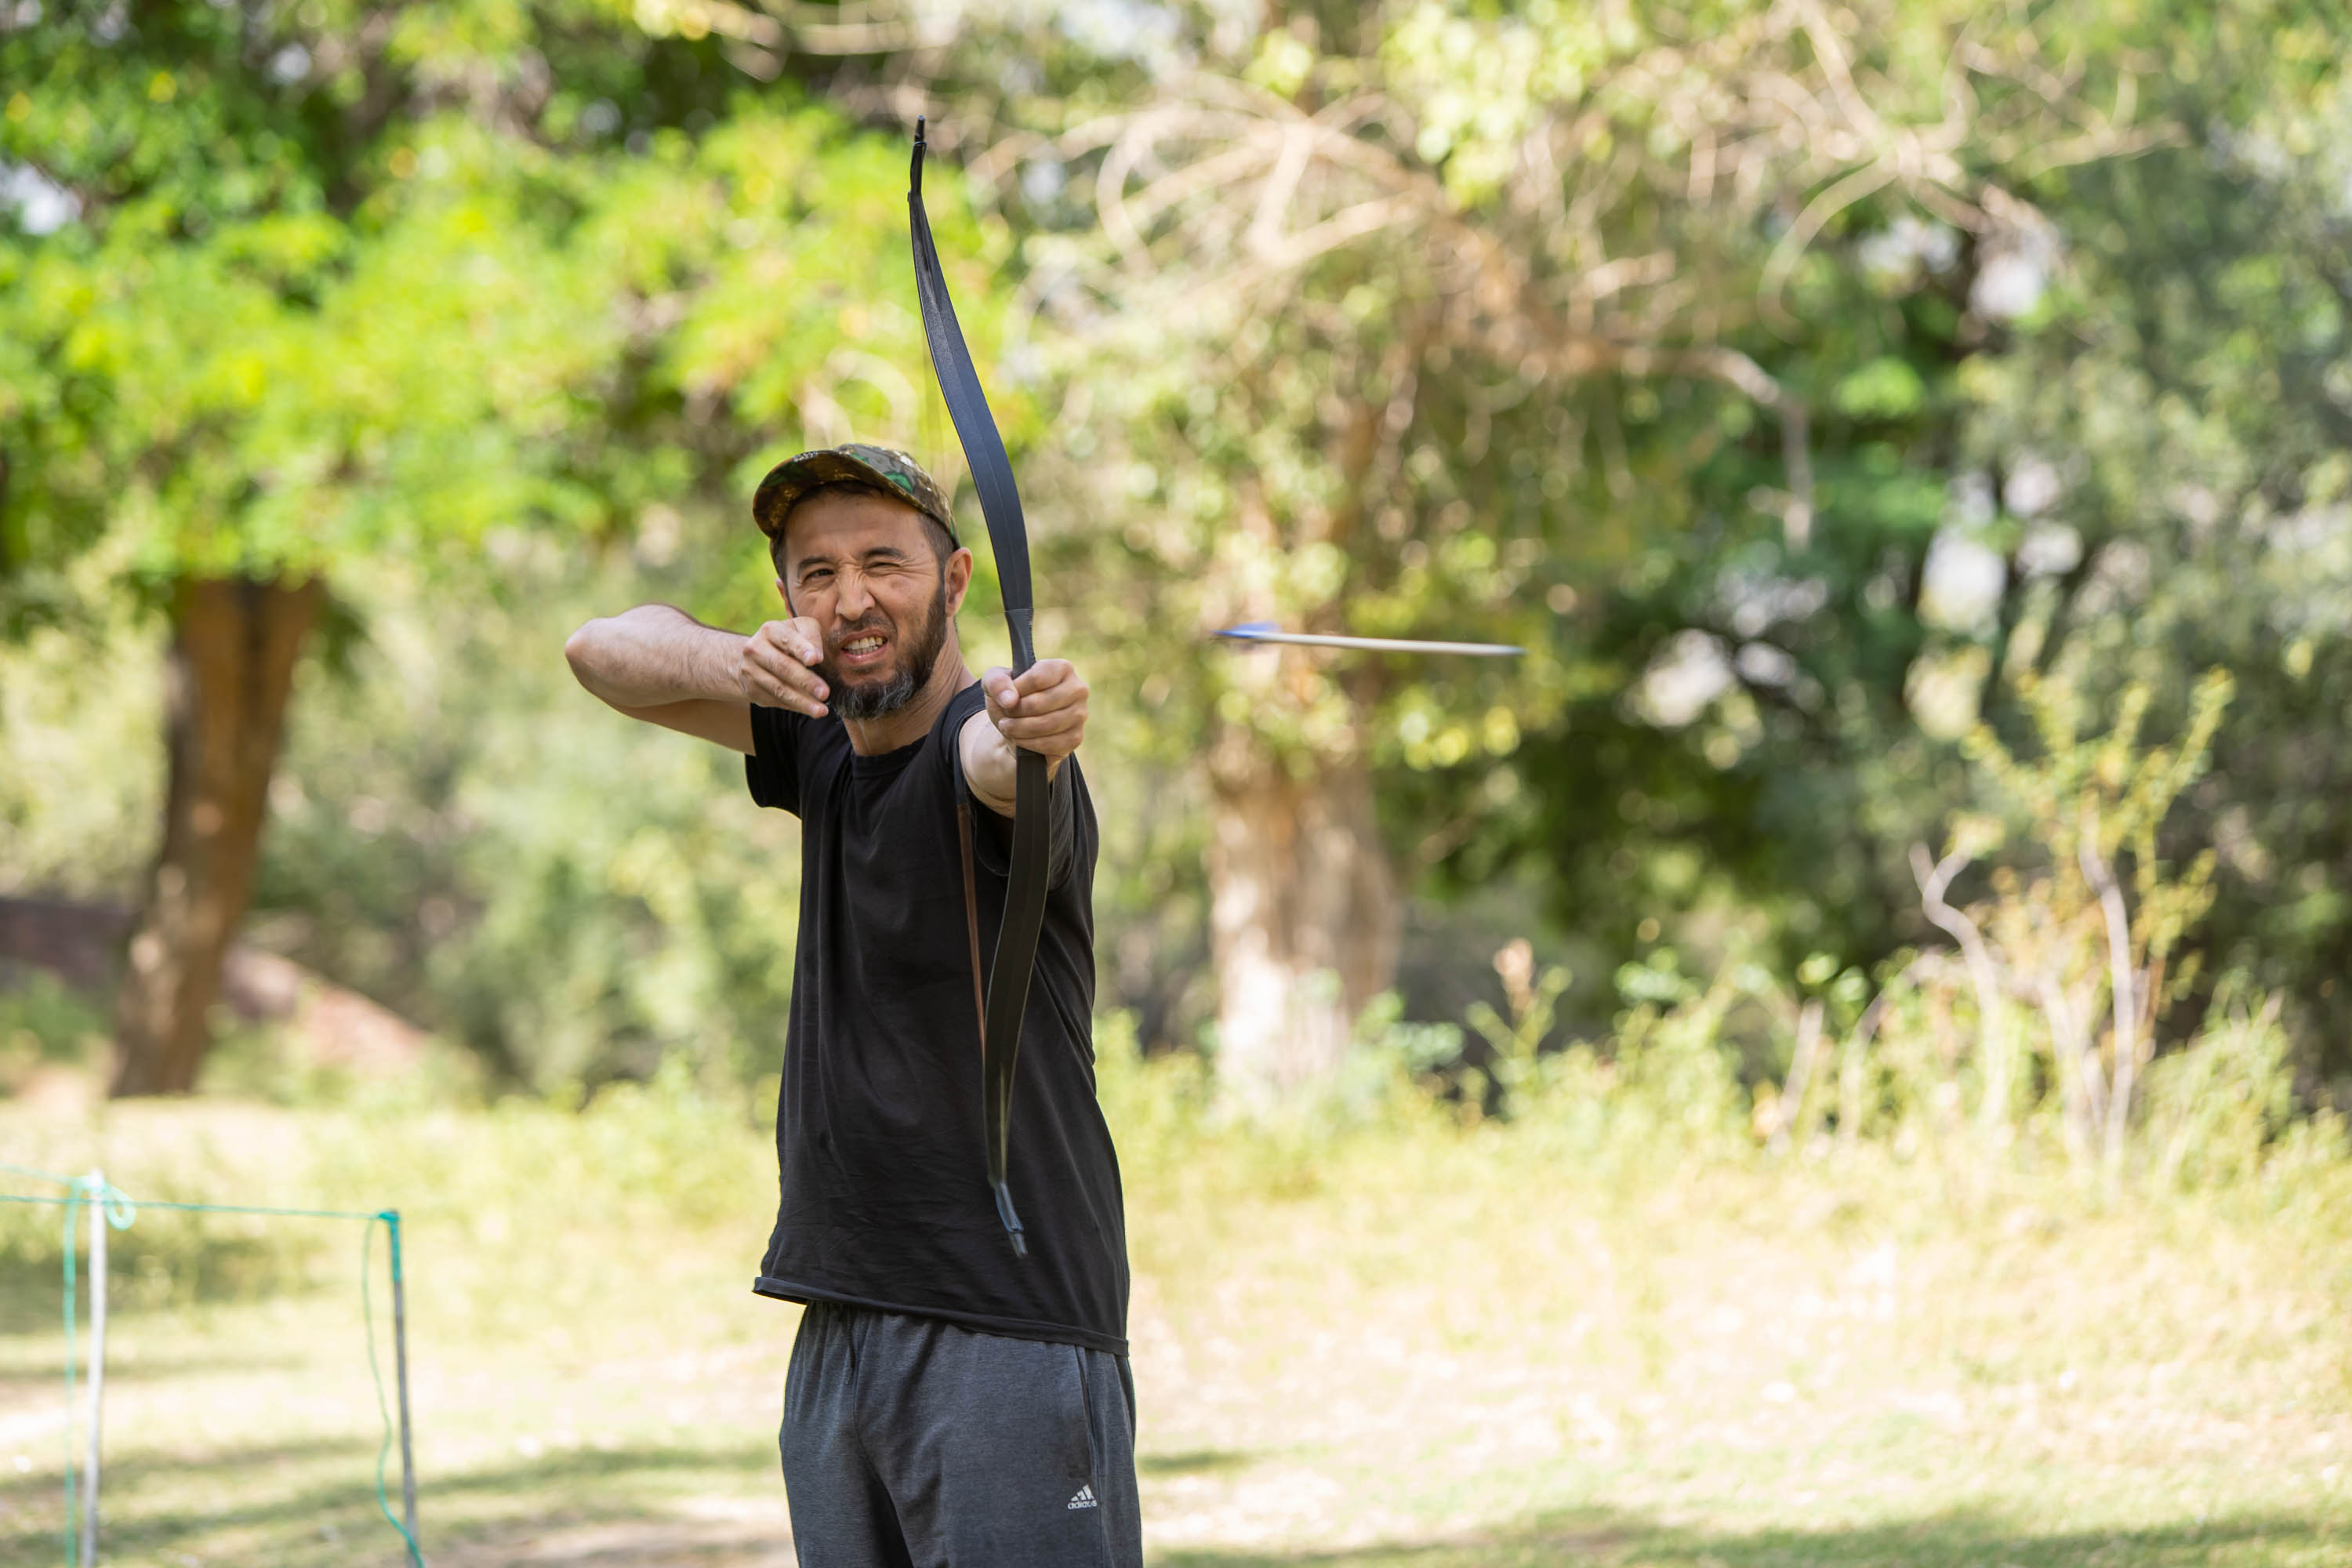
(231, 667)
(1304, 925)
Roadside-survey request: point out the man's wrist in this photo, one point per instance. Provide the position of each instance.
(720, 666)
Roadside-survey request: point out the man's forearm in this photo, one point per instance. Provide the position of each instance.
(656, 653)
(990, 766)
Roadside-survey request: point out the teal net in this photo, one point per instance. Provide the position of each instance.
(117, 1210)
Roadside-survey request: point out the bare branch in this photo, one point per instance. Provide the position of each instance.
(1935, 879)
(855, 29)
(1801, 1071)
(2120, 981)
(1817, 211)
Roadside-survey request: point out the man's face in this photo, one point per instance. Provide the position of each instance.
(865, 569)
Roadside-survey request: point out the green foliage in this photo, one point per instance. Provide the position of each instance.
(1672, 1085)
(1516, 339)
(2193, 387)
(508, 1189)
(2217, 1109)
(80, 773)
(1995, 1053)
(489, 312)
(459, 307)
(44, 1022)
(1887, 388)
(465, 836)
(2149, 460)
(2087, 801)
(1533, 1000)
(1744, 752)
(323, 308)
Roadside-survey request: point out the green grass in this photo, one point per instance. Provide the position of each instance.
(1401, 1342)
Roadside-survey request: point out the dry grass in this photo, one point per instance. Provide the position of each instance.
(1405, 1343)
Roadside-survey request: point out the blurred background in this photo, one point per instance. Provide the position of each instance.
(1837, 1055)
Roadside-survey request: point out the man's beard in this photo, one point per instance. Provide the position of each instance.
(916, 659)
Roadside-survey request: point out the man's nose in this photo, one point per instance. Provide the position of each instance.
(853, 598)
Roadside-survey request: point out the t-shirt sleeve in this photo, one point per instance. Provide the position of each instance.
(772, 767)
(1068, 793)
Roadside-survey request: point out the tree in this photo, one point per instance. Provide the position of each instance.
(309, 294)
(2105, 433)
(1365, 340)
(1357, 316)
(2185, 388)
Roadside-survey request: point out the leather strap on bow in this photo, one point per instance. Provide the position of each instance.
(1024, 897)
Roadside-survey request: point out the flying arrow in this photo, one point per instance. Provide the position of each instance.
(1266, 632)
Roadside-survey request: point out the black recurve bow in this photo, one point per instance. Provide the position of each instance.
(1000, 502)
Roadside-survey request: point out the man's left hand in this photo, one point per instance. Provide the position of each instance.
(1042, 710)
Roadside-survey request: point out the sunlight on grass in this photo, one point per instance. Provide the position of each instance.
(1382, 1338)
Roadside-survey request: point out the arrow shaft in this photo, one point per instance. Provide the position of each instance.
(1376, 645)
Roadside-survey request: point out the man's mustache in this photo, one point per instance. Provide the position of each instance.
(871, 625)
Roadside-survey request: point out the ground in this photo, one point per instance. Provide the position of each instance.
(1449, 1349)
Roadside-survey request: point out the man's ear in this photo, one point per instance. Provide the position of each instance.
(959, 578)
(786, 596)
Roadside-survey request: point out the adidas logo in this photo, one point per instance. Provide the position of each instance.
(1085, 1498)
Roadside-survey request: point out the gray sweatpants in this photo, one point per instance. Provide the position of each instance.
(911, 1443)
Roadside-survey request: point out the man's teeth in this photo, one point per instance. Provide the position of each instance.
(861, 644)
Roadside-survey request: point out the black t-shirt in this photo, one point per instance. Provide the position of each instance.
(883, 1185)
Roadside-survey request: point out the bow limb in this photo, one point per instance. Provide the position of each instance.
(1006, 997)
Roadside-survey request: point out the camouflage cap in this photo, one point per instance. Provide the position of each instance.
(854, 462)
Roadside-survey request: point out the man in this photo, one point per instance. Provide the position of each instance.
(948, 1403)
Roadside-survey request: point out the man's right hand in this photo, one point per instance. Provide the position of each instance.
(778, 667)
